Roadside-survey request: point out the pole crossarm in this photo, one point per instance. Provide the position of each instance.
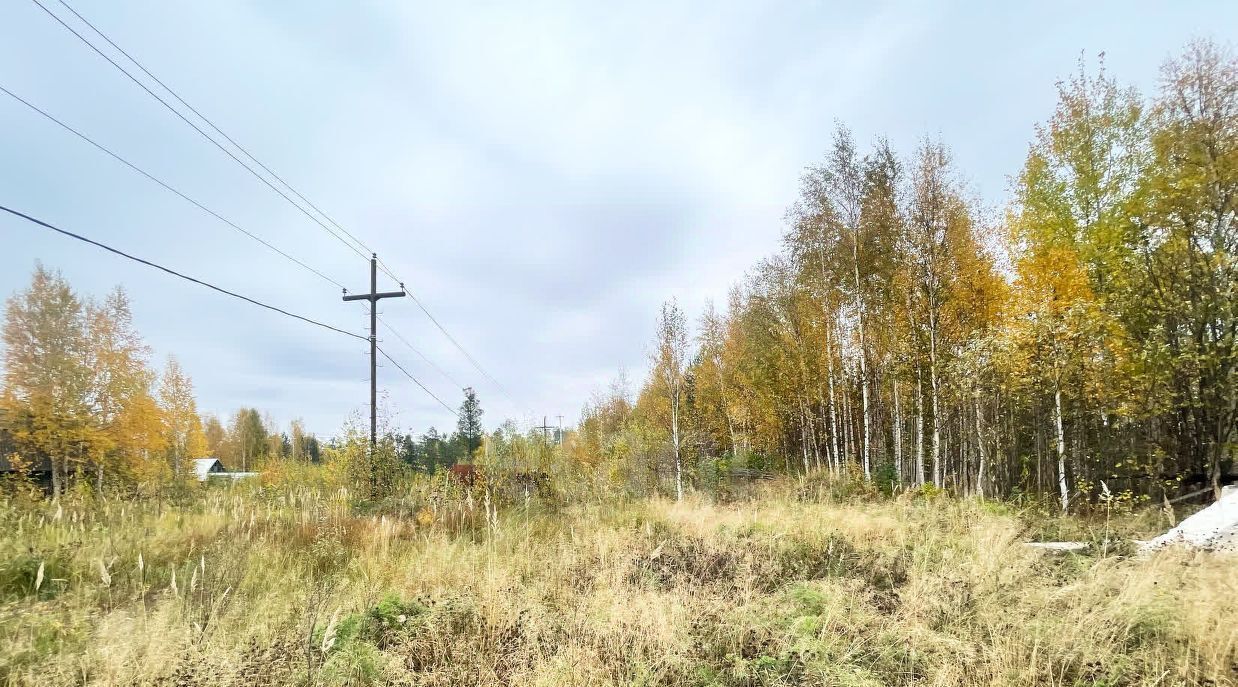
(375, 296)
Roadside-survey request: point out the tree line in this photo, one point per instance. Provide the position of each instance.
(82, 403)
(1080, 346)
(80, 396)
(434, 451)
(251, 439)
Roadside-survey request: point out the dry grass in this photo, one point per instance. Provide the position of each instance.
(299, 587)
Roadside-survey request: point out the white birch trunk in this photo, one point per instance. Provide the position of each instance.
(1061, 448)
(726, 406)
(934, 398)
(829, 375)
(859, 303)
(919, 427)
(898, 435)
(848, 439)
(675, 443)
(980, 450)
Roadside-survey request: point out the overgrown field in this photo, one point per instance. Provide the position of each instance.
(292, 586)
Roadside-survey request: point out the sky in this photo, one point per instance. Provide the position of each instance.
(541, 175)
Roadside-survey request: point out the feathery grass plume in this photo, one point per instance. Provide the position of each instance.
(104, 576)
(38, 578)
(328, 635)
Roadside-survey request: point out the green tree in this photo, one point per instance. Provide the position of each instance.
(248, 439)
(468, 425)
(1186, 319)
(1073, 248)
(216, 436)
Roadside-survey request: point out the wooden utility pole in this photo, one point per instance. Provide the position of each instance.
(546, 428)
(373, 297)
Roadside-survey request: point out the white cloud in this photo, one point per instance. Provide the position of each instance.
(543, 174)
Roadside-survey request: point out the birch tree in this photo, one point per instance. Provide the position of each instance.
(182, 424)
(669, 361)
(47, 381)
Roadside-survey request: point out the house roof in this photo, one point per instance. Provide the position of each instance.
(205, 466)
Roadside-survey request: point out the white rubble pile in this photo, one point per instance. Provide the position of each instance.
(1214, 528)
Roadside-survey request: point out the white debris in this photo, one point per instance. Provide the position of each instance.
(1058, 546)
(1214, 528)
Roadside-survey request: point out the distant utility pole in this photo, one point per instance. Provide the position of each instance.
(373, 297)
(546, 427)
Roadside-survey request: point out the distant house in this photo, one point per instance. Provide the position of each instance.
(39, 471)
(206, 468)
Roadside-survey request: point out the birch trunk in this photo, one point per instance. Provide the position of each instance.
(812, 435)
(726, 406)
(980, 449)
(804, 438)
(934, 399)
(919, 427)
(859, 304)
(1061, 448)
(826, 426)
(848, 442)
(898, 435)
(675, 443)
(57, 482)
(829, 375)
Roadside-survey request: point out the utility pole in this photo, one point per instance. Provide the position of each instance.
(373, 297)
(546, 427)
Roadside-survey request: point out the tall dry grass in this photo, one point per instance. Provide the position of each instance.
(303, 587)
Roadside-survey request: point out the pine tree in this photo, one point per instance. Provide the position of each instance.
(468, 427)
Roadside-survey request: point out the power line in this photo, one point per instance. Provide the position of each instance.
(224, 291)
(453, 341)
(204, 118)
(423, 386)
(421, 355)
(214, 214)
(165, 185)
(205, 135)
(174, 273)
(472, 361)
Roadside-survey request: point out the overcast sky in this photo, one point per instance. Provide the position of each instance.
(541, 174)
